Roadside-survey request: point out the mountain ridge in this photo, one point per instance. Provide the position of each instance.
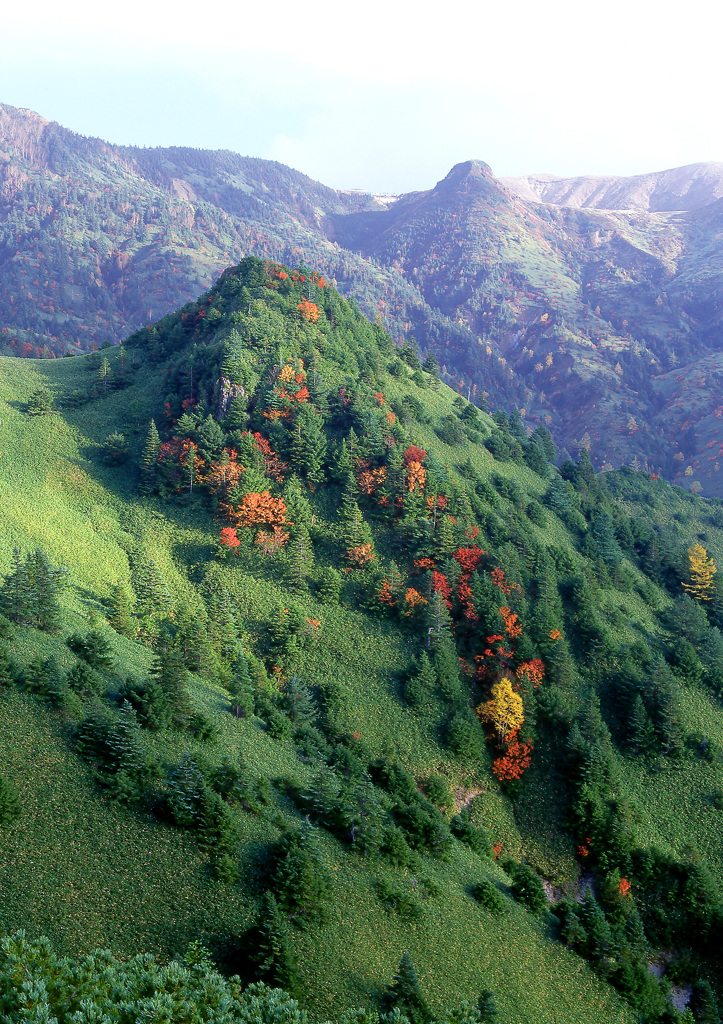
(674, 190)
(568, 312)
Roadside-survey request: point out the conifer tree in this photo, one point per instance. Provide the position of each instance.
(438, 623)
(405, 994)
(241, 687)
(7, 670)
(45, 580)
(640, 728)
(10, 805)
(17, 596)
(170, 673)
(420, 687)
(299, 702)
(104, 377)
(271, 951)
(120, 617)
(149, 460)
(308, 445)
(487, 1007)
(704, 1004)
(353, 528)
(300, 556)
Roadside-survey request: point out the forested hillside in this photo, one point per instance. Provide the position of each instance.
(307, 659)
(600, 323)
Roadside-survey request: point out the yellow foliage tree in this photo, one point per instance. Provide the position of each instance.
(504, 709)
(701, 570)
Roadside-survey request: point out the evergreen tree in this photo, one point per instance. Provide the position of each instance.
(446, 667)
(169, 671)
(149, 459)
(308, 445)
(81, 679)
(487, 1007)
(405, 994)
(640, 729)
(241, 687)
(120, 617)
(704, 1005)
(420, 687)
(40, 403)
(300, 557)
(299, 702)
(271, 950)
(301, 879)
(17, 591)
(104, 377)
(7, 670)
(127, 751)
(353, 528)
(154, 599)
(438, 623)
(10, 805)
(45, 582)
(329, 586)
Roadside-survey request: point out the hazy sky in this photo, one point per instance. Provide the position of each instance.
(380, 96)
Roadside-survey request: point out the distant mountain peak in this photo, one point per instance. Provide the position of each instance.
(674, 190)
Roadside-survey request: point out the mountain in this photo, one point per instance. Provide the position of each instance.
(307, 659)
(602, 323)
(680, 188)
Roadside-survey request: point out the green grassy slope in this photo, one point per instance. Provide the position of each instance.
(89, 872)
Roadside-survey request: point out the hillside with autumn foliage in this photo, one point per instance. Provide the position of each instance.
(592, 305)
(307, 658)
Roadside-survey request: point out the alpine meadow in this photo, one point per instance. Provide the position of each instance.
(325, 692)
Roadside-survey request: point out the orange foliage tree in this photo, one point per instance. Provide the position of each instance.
(258, 510)
(515, 761)
(360, 556)
(224, 474)
(309, 311)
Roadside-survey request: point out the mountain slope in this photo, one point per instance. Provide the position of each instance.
(570, 312)
(329, 561)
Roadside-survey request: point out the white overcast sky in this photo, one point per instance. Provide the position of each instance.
(383, 96)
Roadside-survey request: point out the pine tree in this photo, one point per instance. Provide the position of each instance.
(149, 460)
(120, 617)
(405, 994)
(104, 378)
(241, 687)
(487, 1007)
(300, 556)
(170, 673)
(7, 670)
(299, 702)
(10, 805)
(420, 687)
(270, 948)
(308, 445)
(704, 1005)
(45, 585)
(438, 623)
